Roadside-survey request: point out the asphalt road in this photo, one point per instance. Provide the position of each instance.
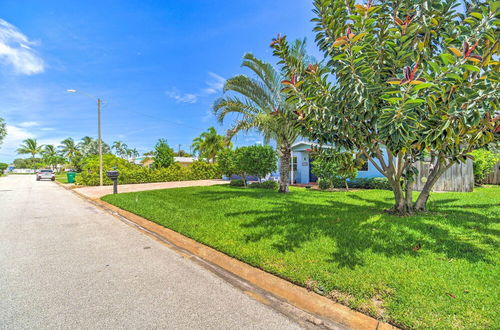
(66, 264)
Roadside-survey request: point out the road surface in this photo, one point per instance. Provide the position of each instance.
(66, 264)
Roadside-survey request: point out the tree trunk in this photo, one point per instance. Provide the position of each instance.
(439, 169)
(409, 196)
(285, 158)
(400, 206)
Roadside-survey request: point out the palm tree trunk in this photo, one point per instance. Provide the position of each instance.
(285, 159)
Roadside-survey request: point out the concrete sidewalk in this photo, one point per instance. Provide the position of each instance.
(66, 264)
(98, 192)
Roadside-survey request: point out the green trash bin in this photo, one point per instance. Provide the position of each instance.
(71, 177)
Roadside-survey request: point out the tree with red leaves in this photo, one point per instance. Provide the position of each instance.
(406, 81)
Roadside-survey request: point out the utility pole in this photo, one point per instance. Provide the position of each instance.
(100, 139)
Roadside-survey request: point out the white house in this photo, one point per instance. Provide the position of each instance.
(303, 159)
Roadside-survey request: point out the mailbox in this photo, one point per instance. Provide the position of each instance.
(113, 175)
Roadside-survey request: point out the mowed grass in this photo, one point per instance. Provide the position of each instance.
(62, 177)
(438, 269)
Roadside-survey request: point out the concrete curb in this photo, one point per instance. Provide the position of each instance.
(326, 313)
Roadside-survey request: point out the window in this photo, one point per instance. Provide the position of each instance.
(363, 167)
(294, 163)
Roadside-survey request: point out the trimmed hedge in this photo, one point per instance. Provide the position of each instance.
(136, 174)
(264, 185)
(359, 183)
(370, 183)
(237, 183)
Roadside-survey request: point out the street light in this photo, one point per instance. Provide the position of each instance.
(98, 129)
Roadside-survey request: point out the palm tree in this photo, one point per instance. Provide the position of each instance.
(90, 147)
(120, 148)
(49, 154)
(209, 143)
(132, 154)
(261, 105)
(69, 149)
(30, 146)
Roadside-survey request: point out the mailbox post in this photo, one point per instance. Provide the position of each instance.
(113, 175)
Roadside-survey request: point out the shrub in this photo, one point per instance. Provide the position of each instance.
(90, 171)
(164, 155)
(130, 173)
(256, 160)
(227, 162)
(3, 167)
(324, 184)
(483, 162)
(370, 183)
(265, 185)
(237, 183)
(201, 170)
(335, 168)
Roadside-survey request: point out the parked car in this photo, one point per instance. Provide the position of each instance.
(45, 174)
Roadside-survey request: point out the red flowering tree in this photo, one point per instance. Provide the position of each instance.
(405, 81)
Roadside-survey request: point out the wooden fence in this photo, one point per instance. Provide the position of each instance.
(459, 177)
(494, 177)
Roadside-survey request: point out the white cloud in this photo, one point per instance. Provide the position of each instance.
(215, 84)
(182, 98)
(15, 50)
(47, 129)
(15, 136)
(29, 124)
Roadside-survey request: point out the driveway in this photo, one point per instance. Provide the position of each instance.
(98, 192)
(66, 264)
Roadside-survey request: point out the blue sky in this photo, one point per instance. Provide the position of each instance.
(158, 65)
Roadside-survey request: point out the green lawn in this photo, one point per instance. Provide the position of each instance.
(342, 245)
(62, 177)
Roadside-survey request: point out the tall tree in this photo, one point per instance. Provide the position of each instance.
(132, 154)
(406, 81)
(31, 147)
(209, 144)
(120, 149)
(69, 149)
(3, 130)
(163, 154)
(50, 156)
(90, 147)
(260, 104)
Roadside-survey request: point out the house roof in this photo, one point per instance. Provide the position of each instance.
(304, 145)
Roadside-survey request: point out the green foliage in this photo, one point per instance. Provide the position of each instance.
(130, 173)
(227, 162)
(90, 147)
(209, 144)
(256, 160)
(370, 183)
(200, 170)
(26, 163)
(484, 162)
(69, 149)
(406, 78)
(3, 167)
(352, 252)
(3, 130)
(90, 171)
(334, 168)
(30, 146)
(273, 185)
(163, 155)
(237, 183)
(259, 103)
